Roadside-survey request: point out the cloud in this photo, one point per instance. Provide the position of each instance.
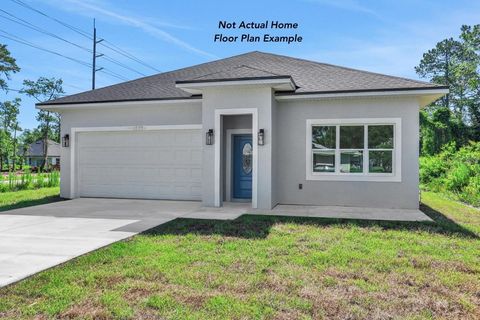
(141, 23)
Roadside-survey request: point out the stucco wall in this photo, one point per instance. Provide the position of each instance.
(281, 161)
(127, 115)
(238, 97)
(291, 152)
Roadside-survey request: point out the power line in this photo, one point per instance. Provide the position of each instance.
(30, 44)
(78, 30)
(122, 65)
(20, 90)
(111, 46)
(38, 29)
(74, 86)
(124, 53)
(113, 74)
(12, 37)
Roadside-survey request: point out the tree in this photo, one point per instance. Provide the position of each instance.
(45, 89)
(9, 111)
(455, 63)
(26, 139)
(8, 66)
(438, 65)
(4, 142)
(16, 128)
(439, 128)
(471, 37)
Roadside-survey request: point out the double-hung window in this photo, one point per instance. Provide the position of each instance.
(354, 149)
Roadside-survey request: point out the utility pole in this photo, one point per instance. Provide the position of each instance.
(95, 55)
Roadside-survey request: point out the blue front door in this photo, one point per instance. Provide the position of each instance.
(242, 166)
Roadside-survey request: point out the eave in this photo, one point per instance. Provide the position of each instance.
(278, 83)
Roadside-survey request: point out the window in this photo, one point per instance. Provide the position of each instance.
(354, 149)
(323, 146)
(380, 146)
(351, 148)
(247, 158)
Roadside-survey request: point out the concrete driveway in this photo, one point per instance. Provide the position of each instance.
(36, 238)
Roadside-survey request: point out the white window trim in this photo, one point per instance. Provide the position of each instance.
(395, 176)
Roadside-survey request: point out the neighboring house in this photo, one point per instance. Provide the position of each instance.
(34, 153)
(256, 127)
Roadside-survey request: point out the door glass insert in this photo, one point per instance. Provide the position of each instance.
(247, 158)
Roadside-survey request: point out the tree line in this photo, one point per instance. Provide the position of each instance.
(454, 62)
(14, 140)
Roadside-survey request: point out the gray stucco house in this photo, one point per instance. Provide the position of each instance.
(34, 153)
(257, 127)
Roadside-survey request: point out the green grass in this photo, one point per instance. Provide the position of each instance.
(27, 198)
(271, 268)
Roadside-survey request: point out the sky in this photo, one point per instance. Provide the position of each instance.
(387, 36)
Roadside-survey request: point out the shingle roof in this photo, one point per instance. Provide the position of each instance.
(237, 72)
(36, 149)
(309, 76)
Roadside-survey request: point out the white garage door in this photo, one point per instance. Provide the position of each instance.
(161, 164)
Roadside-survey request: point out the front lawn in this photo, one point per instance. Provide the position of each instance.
(27, 198)
(271, 267)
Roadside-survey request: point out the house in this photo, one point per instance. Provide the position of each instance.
(34, 156)
(257, 127)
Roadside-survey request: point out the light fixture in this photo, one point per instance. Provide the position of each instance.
(209, 137)
(261, 137)
(66, 141)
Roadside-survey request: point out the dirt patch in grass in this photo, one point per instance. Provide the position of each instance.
(86, 310)
(195, 302)
(137, 294)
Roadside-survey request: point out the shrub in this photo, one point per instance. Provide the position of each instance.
(456, 172)
(53, 179)
(27, 180)
(457, 177)
(431, 168)
(11, 180)
(471, 193)
(3, 185)
(40, 180)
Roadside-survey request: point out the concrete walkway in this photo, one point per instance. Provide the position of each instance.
(36, 238)
(349, 213)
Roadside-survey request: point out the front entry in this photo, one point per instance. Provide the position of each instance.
(242, 166)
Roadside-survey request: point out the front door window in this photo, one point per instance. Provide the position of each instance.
(247, 158)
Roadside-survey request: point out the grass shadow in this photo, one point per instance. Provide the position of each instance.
(30, 203)
(258, 226)
(446, 224)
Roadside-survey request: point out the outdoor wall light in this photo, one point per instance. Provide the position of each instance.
(209, 137)
(261, 137)
(66, 141)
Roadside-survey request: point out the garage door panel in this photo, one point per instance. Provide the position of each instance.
(164, 164)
